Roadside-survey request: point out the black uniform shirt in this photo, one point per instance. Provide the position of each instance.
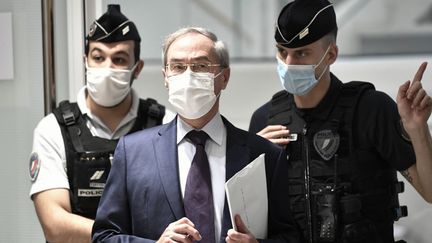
(376, 125)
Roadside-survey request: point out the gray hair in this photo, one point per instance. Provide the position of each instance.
(219, 46)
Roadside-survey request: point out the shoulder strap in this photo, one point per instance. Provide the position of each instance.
(155, 113)
(150, 114)
(70, 119)
(281, 105)
(283, 112)
(349, 98)
(355, 89)
(69, 116)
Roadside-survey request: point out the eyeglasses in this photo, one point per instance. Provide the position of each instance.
(179, 67)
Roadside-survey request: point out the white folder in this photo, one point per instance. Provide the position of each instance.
(246, 194)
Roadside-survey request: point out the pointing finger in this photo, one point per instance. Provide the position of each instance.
(419, 74)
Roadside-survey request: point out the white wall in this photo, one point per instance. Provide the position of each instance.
(21, 106)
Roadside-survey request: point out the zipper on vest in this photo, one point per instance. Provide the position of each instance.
(307, 185)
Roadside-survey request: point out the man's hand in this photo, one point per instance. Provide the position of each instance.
(277, 134)
(182, 230)
(414, 104)
(242, 235)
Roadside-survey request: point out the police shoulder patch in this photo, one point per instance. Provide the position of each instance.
(326, 143)
(34, 166)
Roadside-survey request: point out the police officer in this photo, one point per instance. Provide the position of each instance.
(345, 140)
(73, 146)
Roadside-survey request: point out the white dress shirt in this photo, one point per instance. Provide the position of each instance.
(215, 148)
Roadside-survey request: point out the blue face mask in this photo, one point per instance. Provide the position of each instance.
(298, 79)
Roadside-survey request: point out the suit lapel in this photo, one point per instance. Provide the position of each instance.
(237, 157)
(166, 157)
(237, 152)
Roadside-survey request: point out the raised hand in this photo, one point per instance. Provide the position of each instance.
(414, 104)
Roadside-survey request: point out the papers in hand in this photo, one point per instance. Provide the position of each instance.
(246, 194)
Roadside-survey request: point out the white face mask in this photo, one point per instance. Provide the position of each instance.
(108, 86)
(192, 94)
(299, 79)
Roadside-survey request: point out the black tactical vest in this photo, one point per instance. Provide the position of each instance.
(338, 193)
(89, 158)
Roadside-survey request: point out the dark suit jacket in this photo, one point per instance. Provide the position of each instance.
(142, 195)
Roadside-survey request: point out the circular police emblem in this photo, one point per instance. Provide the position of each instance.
(326, 143)
(34, 166)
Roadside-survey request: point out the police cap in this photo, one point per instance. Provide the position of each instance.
(302, 22)
(113, 26)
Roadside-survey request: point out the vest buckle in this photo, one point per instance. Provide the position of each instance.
(69, 118)
(400, 212)
(154, 111)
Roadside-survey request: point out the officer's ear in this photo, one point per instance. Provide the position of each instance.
(138, 69)
(333, 53)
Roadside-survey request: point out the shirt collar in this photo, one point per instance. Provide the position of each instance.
(213, 128)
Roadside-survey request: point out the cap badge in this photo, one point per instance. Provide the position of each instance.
(304, 33)
(92, 30)
(125, 30)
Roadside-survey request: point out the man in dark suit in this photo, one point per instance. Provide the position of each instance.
(147, 196)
